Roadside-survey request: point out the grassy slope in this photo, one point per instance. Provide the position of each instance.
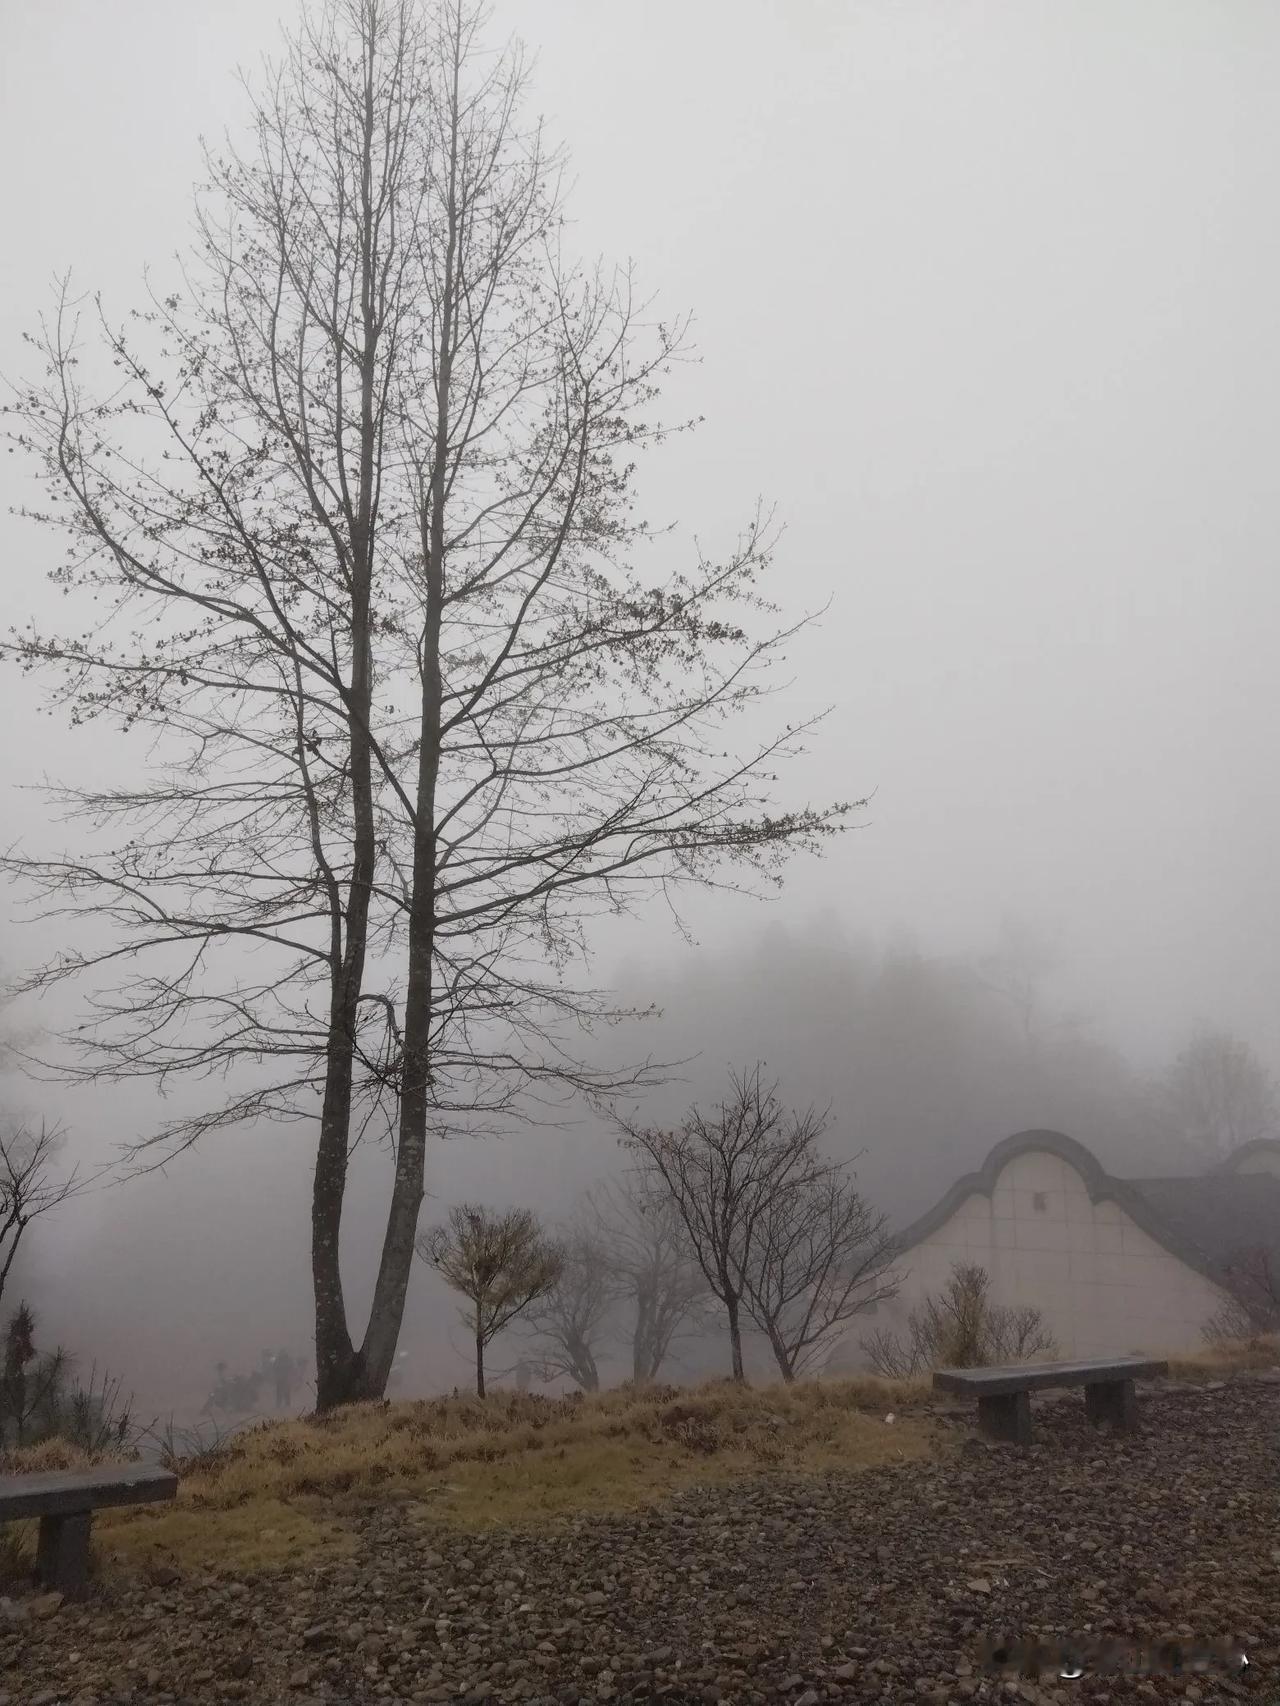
(280, 1491)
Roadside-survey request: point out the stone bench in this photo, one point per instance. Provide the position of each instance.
(64, 1500)
(1004, 1394)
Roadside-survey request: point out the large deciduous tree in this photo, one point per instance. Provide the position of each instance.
(351, 543)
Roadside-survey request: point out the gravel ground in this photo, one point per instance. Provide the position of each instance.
(877, 1586)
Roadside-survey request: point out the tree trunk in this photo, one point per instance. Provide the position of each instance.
(336, 1372)
(642, 1363)
(782, 1356)
(479, 1364)
(735, 1337)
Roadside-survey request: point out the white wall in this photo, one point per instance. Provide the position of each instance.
(1103, 1285)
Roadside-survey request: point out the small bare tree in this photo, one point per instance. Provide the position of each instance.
(655, 1271)
(27, 1186)
(1254, 1308)
(501, 1264)
(568, 1323)
(822, 1256)
(961, 1328)
(723, 1170)
(1230, 1324)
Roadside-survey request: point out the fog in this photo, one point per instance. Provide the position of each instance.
(984, 301)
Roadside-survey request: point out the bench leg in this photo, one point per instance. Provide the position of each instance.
(62, 1553)
(1006, 1415)
(1112, 1401)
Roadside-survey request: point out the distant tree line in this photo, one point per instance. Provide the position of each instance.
(931, 1057)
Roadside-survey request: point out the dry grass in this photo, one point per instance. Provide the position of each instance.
(283, 1491)
(278, 1492)
(1215, 1361)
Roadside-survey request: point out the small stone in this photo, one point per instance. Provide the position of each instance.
(595, 1597)
(240, 1665)
(300, 1677)
(12, 1610)
(45, 1605)
(810, 1697)
(979, 1584)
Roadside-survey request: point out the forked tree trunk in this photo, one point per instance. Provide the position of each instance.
(342, 1374)
(479, 1364)
(387, 1309)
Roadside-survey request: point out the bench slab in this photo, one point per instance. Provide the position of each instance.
(1027, 1377)
(70, 1492)
(65, 1500)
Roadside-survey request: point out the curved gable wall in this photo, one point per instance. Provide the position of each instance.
(1053, 1230)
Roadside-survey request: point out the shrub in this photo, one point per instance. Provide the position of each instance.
(40, 1398)
(960, 1327)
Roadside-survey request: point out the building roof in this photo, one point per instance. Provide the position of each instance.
(1207, 1222)
(1225, 1215)
(1246, 1152)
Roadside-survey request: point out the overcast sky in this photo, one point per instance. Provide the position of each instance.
(986, 297)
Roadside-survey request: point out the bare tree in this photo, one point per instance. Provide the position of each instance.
(1254, 1282)
(501, 1263)
(1015, 970)
(351, 529)
(822, 1256)
(569, 1321)
(960, 1327)
(655, 1271)
(27, 1186)
(722, 1170)
(1217, 1095)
